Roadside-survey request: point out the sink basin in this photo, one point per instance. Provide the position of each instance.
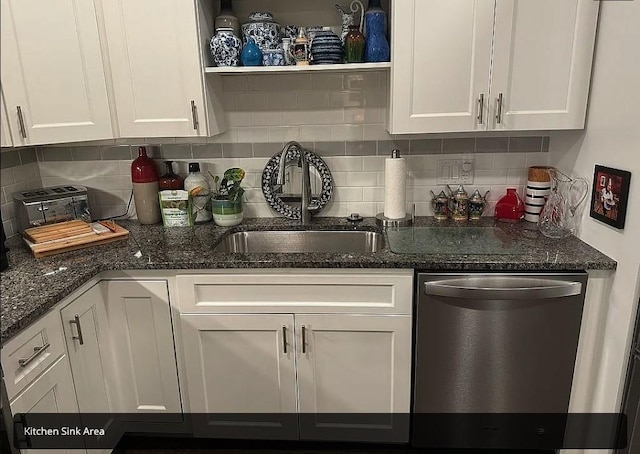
(302, 241)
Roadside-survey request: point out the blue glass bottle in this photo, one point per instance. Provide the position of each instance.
(376, 45)
(251, 54)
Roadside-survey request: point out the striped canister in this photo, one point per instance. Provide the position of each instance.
(537, 192)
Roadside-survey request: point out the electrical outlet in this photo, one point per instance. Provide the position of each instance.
(455, 171)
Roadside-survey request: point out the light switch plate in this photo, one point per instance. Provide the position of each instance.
(455, 171)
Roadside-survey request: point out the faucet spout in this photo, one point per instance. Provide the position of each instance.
(305, 196)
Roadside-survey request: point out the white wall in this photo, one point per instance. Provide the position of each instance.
(611, 138)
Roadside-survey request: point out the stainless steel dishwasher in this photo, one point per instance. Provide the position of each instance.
(493, 344)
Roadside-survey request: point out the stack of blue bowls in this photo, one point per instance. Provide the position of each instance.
(326, 48)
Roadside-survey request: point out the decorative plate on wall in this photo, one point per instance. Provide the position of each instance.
(270, 188)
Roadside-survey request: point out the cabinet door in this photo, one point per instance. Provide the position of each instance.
(242, 364)
(142, 344)
(155, 64)
(52, 71)
(354, 364)
(441, 53)
(542, 63)
(5, 132)
(86, 334)
(52, 392)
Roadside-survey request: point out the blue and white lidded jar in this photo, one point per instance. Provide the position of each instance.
(225, 48)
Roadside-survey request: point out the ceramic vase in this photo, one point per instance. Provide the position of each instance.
(226, 18)
(376, 46)
(326, 48)
(251, 54)
(354, 46)
(225, 48)
(264, 31)
(510, 208)
(273, 57)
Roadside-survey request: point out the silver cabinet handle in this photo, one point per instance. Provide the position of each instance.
(284, 339)
(194, 114)
(480, 109)
(23, 130)
(36, 351)
(499, 109)
(76, 321)
(501, 289)
(304, 339)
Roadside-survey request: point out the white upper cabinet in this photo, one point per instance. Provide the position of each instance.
(5, 132)
(441, 54)
(154, 52)
(53, 77)
(476, 65)
(542, 63)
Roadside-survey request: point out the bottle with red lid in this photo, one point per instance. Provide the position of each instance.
(144, 177)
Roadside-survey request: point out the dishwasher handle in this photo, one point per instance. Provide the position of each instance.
(502, 288)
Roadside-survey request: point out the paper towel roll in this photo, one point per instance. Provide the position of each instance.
(395, 188)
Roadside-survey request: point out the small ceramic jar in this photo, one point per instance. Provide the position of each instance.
(273, 57)
(264, 31)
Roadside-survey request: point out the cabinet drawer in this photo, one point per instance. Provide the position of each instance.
(302, 291)
(31, 352)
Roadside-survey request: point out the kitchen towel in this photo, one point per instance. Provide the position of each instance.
(395, 191)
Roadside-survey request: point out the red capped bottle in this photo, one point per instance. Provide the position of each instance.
(144, 176)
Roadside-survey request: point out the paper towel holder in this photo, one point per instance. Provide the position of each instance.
(384, 221)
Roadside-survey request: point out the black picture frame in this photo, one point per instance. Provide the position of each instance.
(610, 195)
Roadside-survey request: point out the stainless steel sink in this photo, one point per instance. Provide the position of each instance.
(278, 241)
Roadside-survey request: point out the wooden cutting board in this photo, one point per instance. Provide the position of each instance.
(69, 236)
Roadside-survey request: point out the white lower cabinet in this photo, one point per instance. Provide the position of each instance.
(51, 392)
(241, 373)
(285, 376)
(354, 364)
(141, 341)
(86, 332)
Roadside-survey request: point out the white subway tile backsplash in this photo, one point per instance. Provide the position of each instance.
(330, 82)
(335, 209)
(284, 133)
(509, 160)
(344, 163)
(373, 194)
(347, 132)
(313, 100)
(295, 82)
(250, 102)
(361, 179)
(343, 194)
(373, 163)
(6, 176)
(485, 177)
(362, 208)
(263, 82)
(235, 84)
(266, 118)
(315, 133)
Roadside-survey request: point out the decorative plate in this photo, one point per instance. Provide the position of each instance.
(270, 173)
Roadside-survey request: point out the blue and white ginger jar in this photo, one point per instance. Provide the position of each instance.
(225, 48)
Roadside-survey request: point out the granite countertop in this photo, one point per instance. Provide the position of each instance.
(30, 287)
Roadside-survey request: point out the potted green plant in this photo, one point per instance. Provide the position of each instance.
(226, 201)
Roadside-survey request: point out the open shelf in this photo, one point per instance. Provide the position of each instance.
(346, 67)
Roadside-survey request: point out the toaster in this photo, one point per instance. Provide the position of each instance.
(35, 207)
